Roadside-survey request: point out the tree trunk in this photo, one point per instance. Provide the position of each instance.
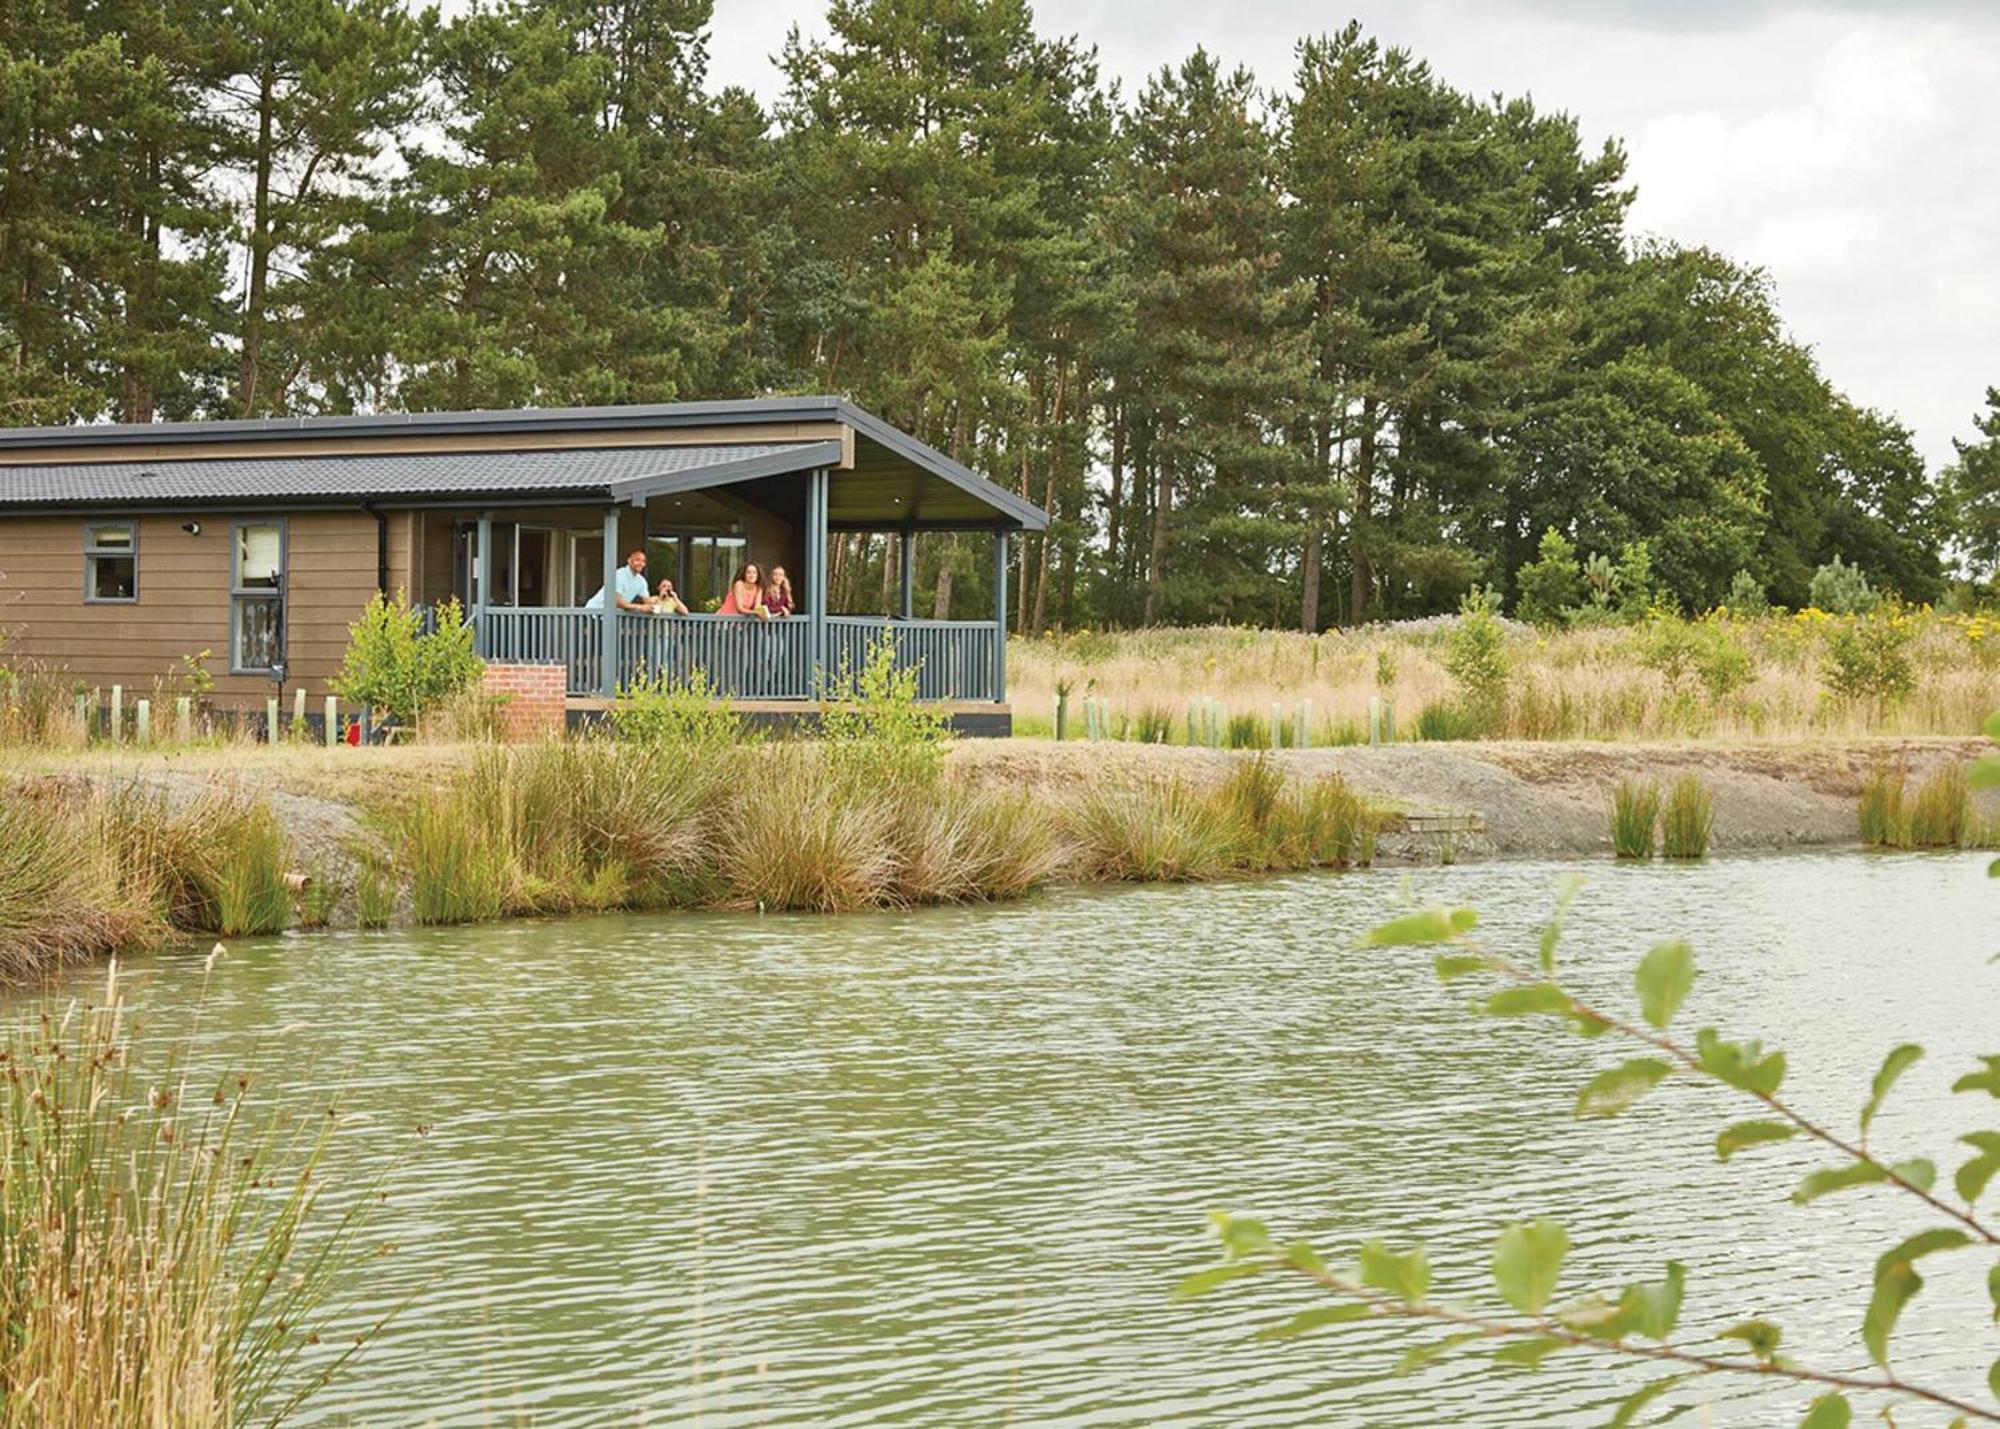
(1363, 573)
(1309, 579)
(1156, 567)
(941, 605)
(260, 255)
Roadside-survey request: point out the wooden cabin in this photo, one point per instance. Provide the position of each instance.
(125, 548)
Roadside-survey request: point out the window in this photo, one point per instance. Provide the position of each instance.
(256, 596)
(111, 563)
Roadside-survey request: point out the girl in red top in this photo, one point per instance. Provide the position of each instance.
(746, 593)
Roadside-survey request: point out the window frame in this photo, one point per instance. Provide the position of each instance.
(92, 553)
(239, 594)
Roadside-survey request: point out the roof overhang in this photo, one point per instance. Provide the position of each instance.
(874, 460)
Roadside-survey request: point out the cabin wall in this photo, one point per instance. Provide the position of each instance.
(183, 603)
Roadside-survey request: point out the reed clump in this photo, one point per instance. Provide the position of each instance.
(1884, 820)
(1940, 815)
(167, 1259)
(1635, 812)
(1687, 819)
(1255, 821)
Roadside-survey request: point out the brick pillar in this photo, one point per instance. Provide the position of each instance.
(533, 699)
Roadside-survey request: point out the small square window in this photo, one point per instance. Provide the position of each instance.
(111, 563)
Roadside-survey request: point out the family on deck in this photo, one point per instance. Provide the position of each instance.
(751, 593)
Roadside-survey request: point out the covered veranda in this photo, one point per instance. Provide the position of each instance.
(526, 567)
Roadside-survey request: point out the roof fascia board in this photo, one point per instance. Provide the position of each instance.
(639, 489)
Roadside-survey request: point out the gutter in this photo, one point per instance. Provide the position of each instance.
(381, 547)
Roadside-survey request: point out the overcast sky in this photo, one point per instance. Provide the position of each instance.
(1847, 146)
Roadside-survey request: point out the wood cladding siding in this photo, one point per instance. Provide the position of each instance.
(183, 604)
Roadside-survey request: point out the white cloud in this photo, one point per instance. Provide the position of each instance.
(1843, 145)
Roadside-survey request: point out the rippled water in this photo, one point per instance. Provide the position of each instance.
(944, 1167)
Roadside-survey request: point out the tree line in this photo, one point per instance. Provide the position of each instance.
(1324, 353)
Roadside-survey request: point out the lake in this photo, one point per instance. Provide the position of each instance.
(945, 1166)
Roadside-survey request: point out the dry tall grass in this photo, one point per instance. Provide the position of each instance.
(167, 1260)
(1589, 683)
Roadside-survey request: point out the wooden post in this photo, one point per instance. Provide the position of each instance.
(1000, 617)
(299, 710)
(271, 719)
(143, 713)
(83, 715)
(184, 717)
(906, 559)
(816, 582)
(117, 713)
(607, 650)
(1062, 711)
(332, 722)
(1302, 726)
(1277, 725)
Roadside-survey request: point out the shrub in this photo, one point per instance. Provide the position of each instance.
(1867, 658)
(1687, 819)
(1707, 651)
(395, 667)
(689, 713)
(1152, 724)
(1635, 810)
(1475, 656)
(1639, 590)
(1746, 595)
(1841, 590)
(1247, 731)
(1151, 833)
(1447, 720)
(1551, 584)
(878, 731)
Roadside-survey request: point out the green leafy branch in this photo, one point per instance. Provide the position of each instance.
(1640, 1321)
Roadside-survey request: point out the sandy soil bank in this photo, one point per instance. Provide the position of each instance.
(1534, 798)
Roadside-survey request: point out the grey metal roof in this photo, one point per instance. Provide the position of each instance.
(868, 428)
(613, 473)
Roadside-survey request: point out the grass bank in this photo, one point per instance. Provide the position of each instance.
(1722, 677)
(127, 852)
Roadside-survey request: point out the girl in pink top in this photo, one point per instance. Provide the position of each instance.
(746, 593)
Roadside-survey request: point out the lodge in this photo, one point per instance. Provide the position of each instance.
(125, 547)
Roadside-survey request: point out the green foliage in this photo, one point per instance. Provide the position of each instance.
(1687, 818)
(653, 709)
(1841, 589)
(1475, 656)
(1885, 821)
(394, 666)
(1551, 584)
(1867, 658)
(1746, 595)
(1940, 816)
(1635, 811)
(244, 875)
(876, 729)
(1449, 720)
(1393, 1287)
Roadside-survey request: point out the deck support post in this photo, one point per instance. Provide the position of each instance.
(1000, 616)
(482, 581)
(608, 650)
(816, 592)
(906, 561)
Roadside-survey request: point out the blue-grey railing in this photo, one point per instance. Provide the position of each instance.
(953, 658)
(743, 658)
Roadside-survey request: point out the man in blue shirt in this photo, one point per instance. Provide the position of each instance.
(631, 589)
